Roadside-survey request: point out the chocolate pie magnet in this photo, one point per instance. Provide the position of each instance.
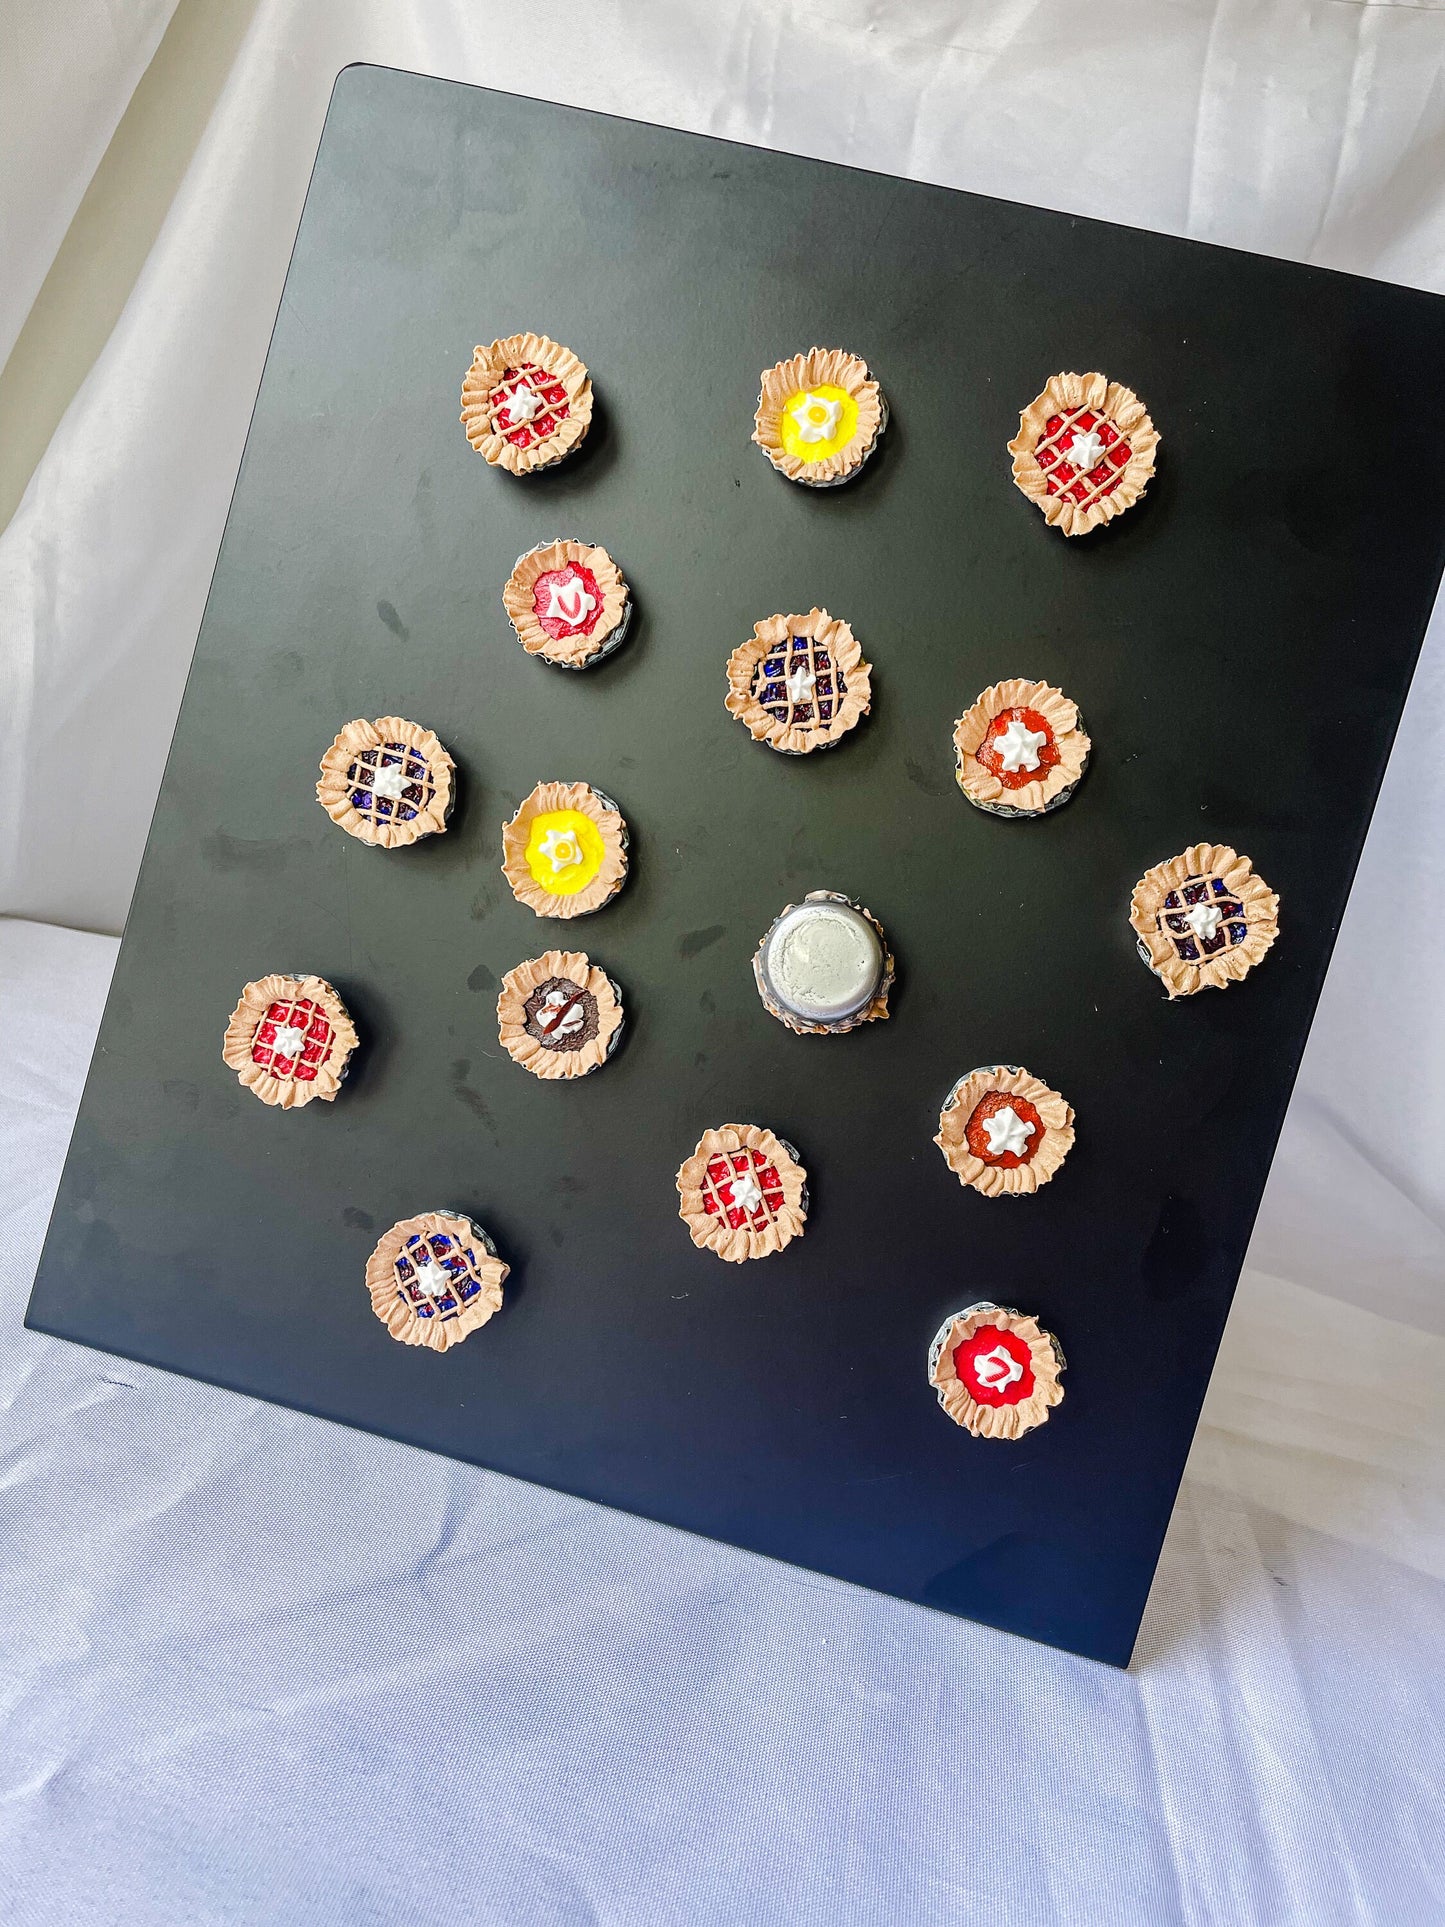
(1084, 451)
(559, 1015)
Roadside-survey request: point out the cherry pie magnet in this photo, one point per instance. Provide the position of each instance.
(289, 1040)
(1084, 451)
(996, 1371)
(824, 966)
(387, 782)
(526, 402)
(743, 1192)
(1003, 1132)
(799, 683)
(565, 851)
(1203, 919)
(434, 1279)
(819, 417)
(569, 604)
(559, 1015)
(1020, 750)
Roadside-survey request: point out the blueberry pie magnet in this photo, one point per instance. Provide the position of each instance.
(387, 783)
(799, 683)
(435, 1279)
(1204, 919)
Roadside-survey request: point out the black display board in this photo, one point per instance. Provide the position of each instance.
(1239, 644)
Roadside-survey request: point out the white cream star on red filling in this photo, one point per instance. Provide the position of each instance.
(1008, 1134)
(1086, 450)
(746, 1192)
(1018, 746)
(569, 602)
(290, 1041)
(521, 406)
(997, 1369)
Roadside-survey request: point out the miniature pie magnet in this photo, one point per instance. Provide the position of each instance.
(799, 683)
(1204, 919)
(387, 783)
(996, 1371)
(290, 1040)
(743, 1193)
(559, 1015)
(1084, 451)
(434, 1279)
(824, 966)
(565, 851)
(526, 402)
(1021, 749)
(1004, 1132)
(569, 603)
(819, 417)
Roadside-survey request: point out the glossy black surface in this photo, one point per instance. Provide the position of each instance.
(1240, 645)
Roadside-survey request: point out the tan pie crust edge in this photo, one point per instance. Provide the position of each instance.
(611, 826)
(1125, 412)
(980, 785)
(1261, 918)
(289, 1093)
(847, 655)
(995, 1180)
(333, 791)
(869, 1014)
(399, 1317)
(570, 652)
(713, 1233)
(489, 365)
(523, 1048)
(820, 367)
(998, 1421)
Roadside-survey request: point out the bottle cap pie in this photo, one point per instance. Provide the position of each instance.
(1003, 1132)
(743, 1192)
(565, 851)
(387, 782)
(1084, 451)
(819, 417)
(289, 1040)
(434, 1279)
(1020, 750)
(996, 1371)
(568, 603)
(559, 1015)
(824, 966)
(526, 402)
(1203, 919)
(799, 683)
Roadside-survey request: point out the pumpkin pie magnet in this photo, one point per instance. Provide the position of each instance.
(1003, 1132)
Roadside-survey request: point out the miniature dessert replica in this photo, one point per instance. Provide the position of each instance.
(744, 1193)
(1084, 451)
(799, 682)
(565, 851)
(1203, 919)
(568, 603)
(1020, 750)
(559, 1015)
(435, 1278)
(824, 966)
(1003, 1132)
(386, 783)
(289, 1040)
(819, 417)
(996, 1371)
(526, 402)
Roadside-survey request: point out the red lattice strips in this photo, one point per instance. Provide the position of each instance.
(277, 1046)
(732, 1179)
(1063, 435)
(548, 390)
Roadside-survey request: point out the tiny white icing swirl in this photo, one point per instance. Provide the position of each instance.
(390, 782)
(1086, 450)
(1018, 746)
(1204, 919)
(996, 1369)
(290, 1041)
(816, 417)
(1007, 1133)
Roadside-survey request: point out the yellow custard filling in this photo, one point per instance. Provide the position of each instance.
(818, 422)
(564, 851)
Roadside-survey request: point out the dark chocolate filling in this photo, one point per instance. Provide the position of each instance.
(544, 1031)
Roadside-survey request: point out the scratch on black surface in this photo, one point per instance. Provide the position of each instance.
(393, 621)
(693, 941)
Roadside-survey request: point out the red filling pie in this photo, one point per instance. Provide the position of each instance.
(732, 1179)
(1057, 444)
(284, 1016)
(560, 601)
(1046, 751)
(995, 1366)
(548, 390)
(990, 1106)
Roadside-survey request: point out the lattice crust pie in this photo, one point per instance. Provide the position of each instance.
(565, 851)
(1203, 919)
(799, 683)
(434, 1279)
(1003, 1132)
(1084, 451)
(289, 1040)
(1020, 750)
(743, 1192)
(568, 603)
(526, 402)
(386, 782)
(819, 417)
(996, 1371)
(559, 1015)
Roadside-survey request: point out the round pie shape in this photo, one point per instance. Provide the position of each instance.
(526, 402)
(387, 782)
(996, 1371)
(1003, 1132)
(434, 1279)
(1020, 750)
(1084, 417)
(569, 603)
(559, 1015)
(799, 683)
(819, 417)
(290, 1040)
(824, 966)
(743, 1193)
(565, 851)
(1204, 919)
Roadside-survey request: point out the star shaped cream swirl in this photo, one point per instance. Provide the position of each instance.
(996, 1369)
(1007, 1133)
(1018, 746)
(1086, 450)
(290, 1041)
(521, 406)
(1204, 919)
(560, 847)
(816, 417)
(746, 1192)
(800, 685)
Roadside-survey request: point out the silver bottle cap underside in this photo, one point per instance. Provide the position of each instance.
(823, 961)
